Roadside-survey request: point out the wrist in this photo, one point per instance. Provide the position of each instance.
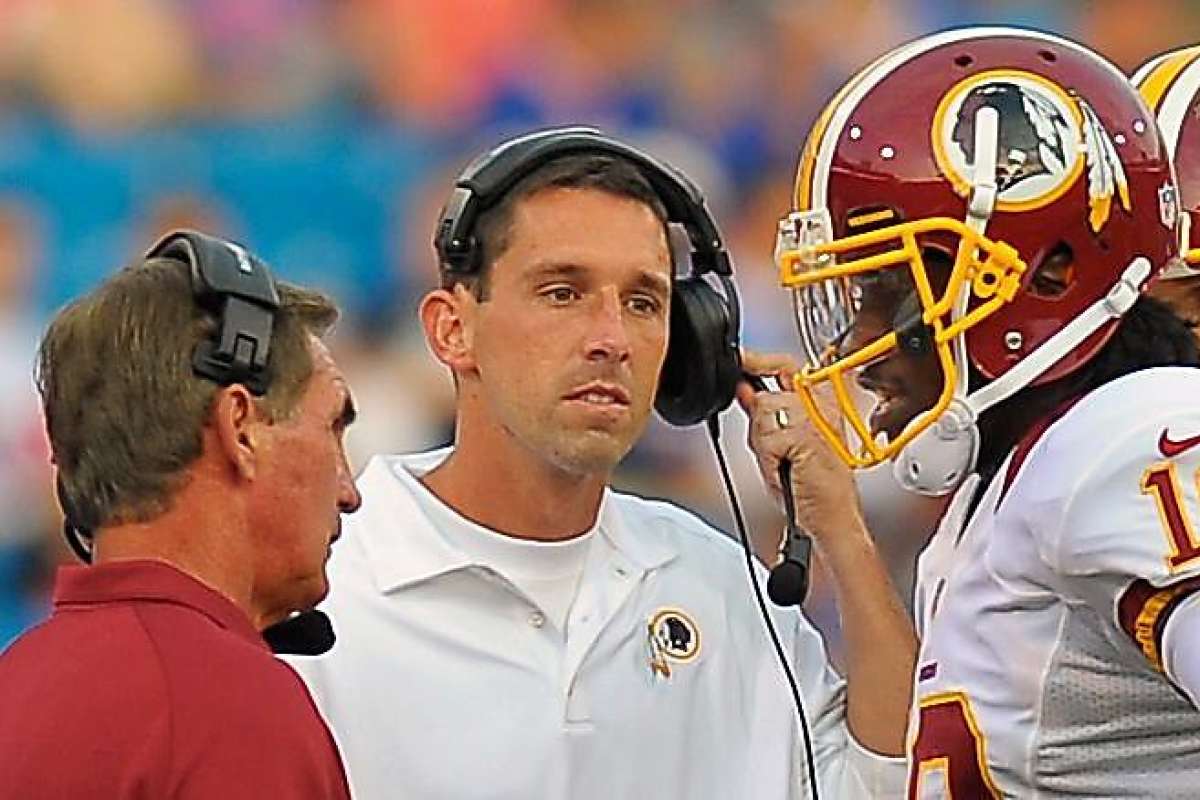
(830, 527)
(845, 540)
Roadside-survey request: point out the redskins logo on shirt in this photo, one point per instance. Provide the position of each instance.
(672, 636)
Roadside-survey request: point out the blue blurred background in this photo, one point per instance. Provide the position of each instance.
(323, 134)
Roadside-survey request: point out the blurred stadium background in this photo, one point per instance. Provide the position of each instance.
(323, 133)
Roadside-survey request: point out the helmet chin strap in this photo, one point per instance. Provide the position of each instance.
(938, 458)
(1180, 268)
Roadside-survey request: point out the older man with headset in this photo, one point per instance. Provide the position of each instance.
(196, 423)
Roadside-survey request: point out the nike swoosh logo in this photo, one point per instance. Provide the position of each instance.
(1170, 448)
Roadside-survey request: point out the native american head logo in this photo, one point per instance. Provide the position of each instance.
(1046, 139)
(1034, 134)
(672, 636)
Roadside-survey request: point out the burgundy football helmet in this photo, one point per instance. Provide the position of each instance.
(959, 165)
(1170, 85)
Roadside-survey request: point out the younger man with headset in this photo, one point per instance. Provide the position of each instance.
(510, 627)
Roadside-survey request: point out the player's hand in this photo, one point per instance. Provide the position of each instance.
(822, 484)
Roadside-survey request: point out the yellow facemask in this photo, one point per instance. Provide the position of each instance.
(820, 271)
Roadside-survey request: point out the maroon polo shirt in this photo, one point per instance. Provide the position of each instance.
(145, 684)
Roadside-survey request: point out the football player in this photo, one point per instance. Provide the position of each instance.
(1170, 85)
(977, 214)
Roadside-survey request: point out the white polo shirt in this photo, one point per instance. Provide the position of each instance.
(448, 682)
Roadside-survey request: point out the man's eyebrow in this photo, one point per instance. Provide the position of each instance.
(646, 279)
(556, 269)
(655, 281)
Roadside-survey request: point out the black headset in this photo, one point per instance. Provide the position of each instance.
(240, 291)
(703, 362)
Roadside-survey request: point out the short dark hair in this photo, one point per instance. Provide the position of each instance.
(124, 410)
(612, 174)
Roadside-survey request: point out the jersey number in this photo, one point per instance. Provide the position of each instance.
(1162, 482)
(948, 741)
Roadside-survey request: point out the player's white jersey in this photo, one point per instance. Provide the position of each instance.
(1041, 621)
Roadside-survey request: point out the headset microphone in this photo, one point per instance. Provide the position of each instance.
(308, 633)
(788, 583)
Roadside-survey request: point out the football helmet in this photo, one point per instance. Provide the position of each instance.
(1170, 85)
(953, 170)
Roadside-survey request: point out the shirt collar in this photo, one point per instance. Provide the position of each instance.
(148, 581)
(404, 547)
(646, 548)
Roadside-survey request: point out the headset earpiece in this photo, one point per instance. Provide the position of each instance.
(703, 363)
(237, 287)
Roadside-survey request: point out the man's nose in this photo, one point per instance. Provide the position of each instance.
(607, 335)
(858, 335)
(349, 498)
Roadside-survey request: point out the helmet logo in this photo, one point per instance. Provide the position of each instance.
(1106, 176)
(1039, 152)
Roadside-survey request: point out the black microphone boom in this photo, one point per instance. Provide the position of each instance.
(788, 584)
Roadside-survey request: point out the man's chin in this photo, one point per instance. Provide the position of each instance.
(892, 425)
(314, 590)
(593, 453)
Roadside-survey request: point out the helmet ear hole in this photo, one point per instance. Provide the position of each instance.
(1055, 273)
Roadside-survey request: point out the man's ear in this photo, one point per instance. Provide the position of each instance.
(238, 424)
(449, 318)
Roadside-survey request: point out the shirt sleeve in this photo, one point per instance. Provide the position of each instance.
(1125, 539)
(845, 769)
(271, 743)
(1181, 648)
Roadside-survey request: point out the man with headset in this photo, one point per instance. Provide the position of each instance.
(509, 626)
(196, 422)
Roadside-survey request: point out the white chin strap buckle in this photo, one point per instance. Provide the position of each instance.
(939, 457)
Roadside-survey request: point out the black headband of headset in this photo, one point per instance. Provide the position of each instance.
(489, 177)
(238, 288)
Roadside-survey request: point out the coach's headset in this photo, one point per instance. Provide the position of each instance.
(239, 290)
(703, 361)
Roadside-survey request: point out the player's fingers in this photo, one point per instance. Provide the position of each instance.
(779, 365)
(746, 397)
(773, 411)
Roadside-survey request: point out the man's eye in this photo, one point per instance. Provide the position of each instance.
(561, 294)
(644, 304)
